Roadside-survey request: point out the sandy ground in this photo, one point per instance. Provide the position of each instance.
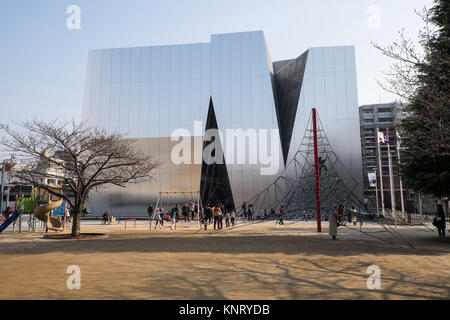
(259, 261)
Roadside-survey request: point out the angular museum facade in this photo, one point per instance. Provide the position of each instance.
(261, 109)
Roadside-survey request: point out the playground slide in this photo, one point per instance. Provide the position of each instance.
(43, 213)
(9, 221)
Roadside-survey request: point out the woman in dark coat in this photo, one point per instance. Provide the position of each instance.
(439, 221)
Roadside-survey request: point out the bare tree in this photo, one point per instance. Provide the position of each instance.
(82, 157)
(420, 75)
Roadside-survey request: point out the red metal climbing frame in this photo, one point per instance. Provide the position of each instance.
(317, 170)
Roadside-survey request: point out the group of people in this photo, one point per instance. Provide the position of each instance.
(107, 218)
(158, 215)
(248, 213)
(189, 209)
(217, 213)
(206, 214)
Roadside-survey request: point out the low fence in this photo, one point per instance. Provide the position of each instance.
(26, 222)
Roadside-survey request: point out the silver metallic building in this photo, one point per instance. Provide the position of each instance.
(228, 83)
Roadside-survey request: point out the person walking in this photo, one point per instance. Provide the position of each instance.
(227, 219)
(439, 221)
(150, 210)
(341, 215)
(333, 220)
(304, 214)
(159, 217)
(173, 218)
(202, 213)
(196, 211)
(272, 212)
(162, 215)
(353, 215)
(244, 209)
(177, 211)
(66, 216)
(191, 209)
(250, 213)
(221, 220)
(280, 217)
(185, 212)
(217, 213)
(209, 213)
(233, 217)
(105, 217)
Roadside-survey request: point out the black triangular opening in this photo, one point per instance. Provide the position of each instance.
(215, 185)
(288, 82)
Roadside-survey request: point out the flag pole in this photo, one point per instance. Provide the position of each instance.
(380, 172)
(376, 191)
(391, 179)
(400, 177)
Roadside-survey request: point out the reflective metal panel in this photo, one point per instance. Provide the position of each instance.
(334, 95)
(148, 92)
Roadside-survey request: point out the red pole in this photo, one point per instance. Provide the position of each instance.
(317, 170)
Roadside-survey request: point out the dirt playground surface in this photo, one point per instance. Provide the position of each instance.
(259, 261)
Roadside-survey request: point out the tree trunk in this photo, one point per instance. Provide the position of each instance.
(76, 222)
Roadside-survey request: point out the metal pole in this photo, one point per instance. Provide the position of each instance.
(3, 185)
(317, 170)
(198, 210)
(8, 193)
(64, 212)
(376, 191)
(381, 174)
(420, 208)
(399, 176)
(391, 180)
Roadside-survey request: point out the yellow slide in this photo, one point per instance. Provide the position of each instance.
(43, 213)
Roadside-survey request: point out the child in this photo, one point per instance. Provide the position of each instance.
(227, 219)
(159, 218)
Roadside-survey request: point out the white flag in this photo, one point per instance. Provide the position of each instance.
(381, 137)
(372, 179)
